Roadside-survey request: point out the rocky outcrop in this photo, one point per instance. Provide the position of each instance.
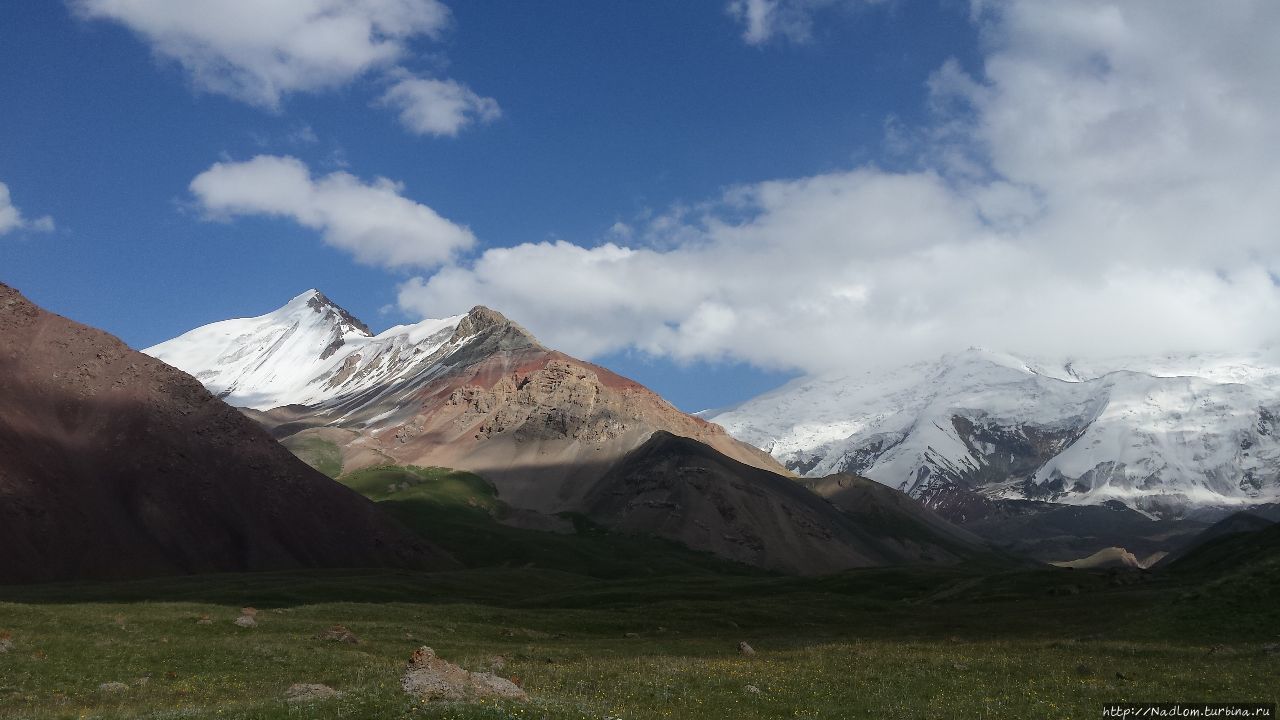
(431, 679)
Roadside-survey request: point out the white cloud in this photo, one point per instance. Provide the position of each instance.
(11, 217)
(764, 20)
(259, 50)
(373, 221)
(1105, 185)
(438, 107)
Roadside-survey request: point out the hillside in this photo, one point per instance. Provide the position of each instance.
(113, 465)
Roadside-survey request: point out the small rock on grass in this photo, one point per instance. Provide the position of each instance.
(204, 620)
(113, 687)
(245, 621)
(745, 649)
(309, 692)
(339, 633)
(6, 641)
(752, 689)
(430, 678)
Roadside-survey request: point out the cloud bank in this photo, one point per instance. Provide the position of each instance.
(259, 51)
(372, 221)
(1104, 184)
(12, 219)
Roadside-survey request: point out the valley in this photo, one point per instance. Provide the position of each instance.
(568, 529)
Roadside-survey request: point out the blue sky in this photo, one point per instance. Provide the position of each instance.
(609, 111)
(758, 187)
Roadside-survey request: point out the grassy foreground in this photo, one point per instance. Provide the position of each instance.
(879, 643)
(599, 625)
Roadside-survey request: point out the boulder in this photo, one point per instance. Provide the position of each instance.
(431, 679)
(339, 633)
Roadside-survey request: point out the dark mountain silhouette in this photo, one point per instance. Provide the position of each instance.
(113, 465)
(684, 490)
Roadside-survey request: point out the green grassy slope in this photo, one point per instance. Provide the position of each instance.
(316, 452)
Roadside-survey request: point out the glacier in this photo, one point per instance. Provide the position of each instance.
(1163, 435)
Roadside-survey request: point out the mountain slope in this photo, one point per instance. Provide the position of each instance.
(113, 464)
(686, 491)
(1165, 436)
(1241, 523)
(475, 393)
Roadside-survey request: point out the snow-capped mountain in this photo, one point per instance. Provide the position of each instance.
(304, 353)
(475, 392)
(1161, 435)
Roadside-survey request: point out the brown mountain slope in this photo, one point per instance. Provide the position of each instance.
(683, 490)
(113, 464)
(542, 426)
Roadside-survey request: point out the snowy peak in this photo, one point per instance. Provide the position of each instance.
(1161, 434)
(307, 351)
(319, 303)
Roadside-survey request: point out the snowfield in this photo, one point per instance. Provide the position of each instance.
(1163, 435)
(305, 353)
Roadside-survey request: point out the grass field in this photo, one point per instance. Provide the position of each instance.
(597, 625)
(876, 643)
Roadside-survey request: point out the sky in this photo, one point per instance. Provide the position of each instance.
(711, 197)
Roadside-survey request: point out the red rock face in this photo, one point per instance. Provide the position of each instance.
(113, 464)
(539, 424)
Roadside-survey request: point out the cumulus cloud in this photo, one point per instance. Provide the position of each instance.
(259, 50)
(438, 107)
(11, 217)
(765, 20)
(1104, 185)
(373, 221)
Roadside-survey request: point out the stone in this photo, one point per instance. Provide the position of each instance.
(752, 689)
(309, 692)
(431, 679)
(204, 620)
(245, 621)
(113, 687)
(6, 642)
(745, 649)
(339, 633)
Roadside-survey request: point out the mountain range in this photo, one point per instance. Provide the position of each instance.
(1192, 436)
(556, 436)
